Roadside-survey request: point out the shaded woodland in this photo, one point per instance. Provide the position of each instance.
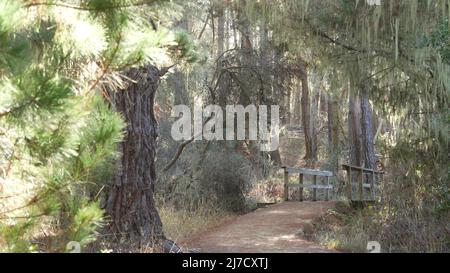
(87, 90)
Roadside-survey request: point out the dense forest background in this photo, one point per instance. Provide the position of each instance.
(87, 89)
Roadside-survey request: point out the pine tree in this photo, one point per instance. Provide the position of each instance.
(58, 131)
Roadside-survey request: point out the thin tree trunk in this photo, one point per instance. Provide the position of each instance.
(297, 106)
(222, 89)
(333, 131)
(306, 111)
(314, 125)
(227, 29)
(323, 103)
(130, 203)
(288, 110)
(234, 29)
(220, 31)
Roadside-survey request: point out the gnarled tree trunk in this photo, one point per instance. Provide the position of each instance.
(130, 203)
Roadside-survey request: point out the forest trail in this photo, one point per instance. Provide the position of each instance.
(275, 228)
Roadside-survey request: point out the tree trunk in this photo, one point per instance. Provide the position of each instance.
(234, 28)
(297, 106)
(367, 130)
(306, 111)
(354, 131)
(130, 203)
(314, 125)
(247, 61)
(333, 131)
(223, 77)
(220, 31)
(287, 102)
(177, 82)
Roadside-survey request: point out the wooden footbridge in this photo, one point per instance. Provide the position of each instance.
(359, 180)
(286, 226)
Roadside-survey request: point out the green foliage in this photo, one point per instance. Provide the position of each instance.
(11, 237)
(186, 48)
(85, 223)
(58, 136)
(440, 40)
(401, 50)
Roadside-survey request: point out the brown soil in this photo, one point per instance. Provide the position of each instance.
(281, 227)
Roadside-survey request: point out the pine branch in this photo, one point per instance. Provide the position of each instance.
(182, 146)
(87, 8)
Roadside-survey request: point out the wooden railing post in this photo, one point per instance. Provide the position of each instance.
(314, 189)
(324, 177)
(300, 190)
(286, 182)
(372, 177)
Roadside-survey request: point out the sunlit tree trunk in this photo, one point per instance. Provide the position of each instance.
(296, 116)
(287, 102)
(314, 125)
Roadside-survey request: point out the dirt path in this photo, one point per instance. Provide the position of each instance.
(274, 228)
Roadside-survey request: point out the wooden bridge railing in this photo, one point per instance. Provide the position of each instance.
(314, 173)
(361, 185)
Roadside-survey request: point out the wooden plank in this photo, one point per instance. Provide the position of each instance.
(308, 171)
(327, 194)
(310, 186)
(314, 188)
(286, 187)
(300, 191)
(347, 167)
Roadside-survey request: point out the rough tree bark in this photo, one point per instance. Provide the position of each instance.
(367, 130)
(130, 203)
(354, 131)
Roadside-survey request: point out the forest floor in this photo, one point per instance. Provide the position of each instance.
(283, 227)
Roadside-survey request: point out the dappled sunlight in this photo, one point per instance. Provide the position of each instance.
(237, 125)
